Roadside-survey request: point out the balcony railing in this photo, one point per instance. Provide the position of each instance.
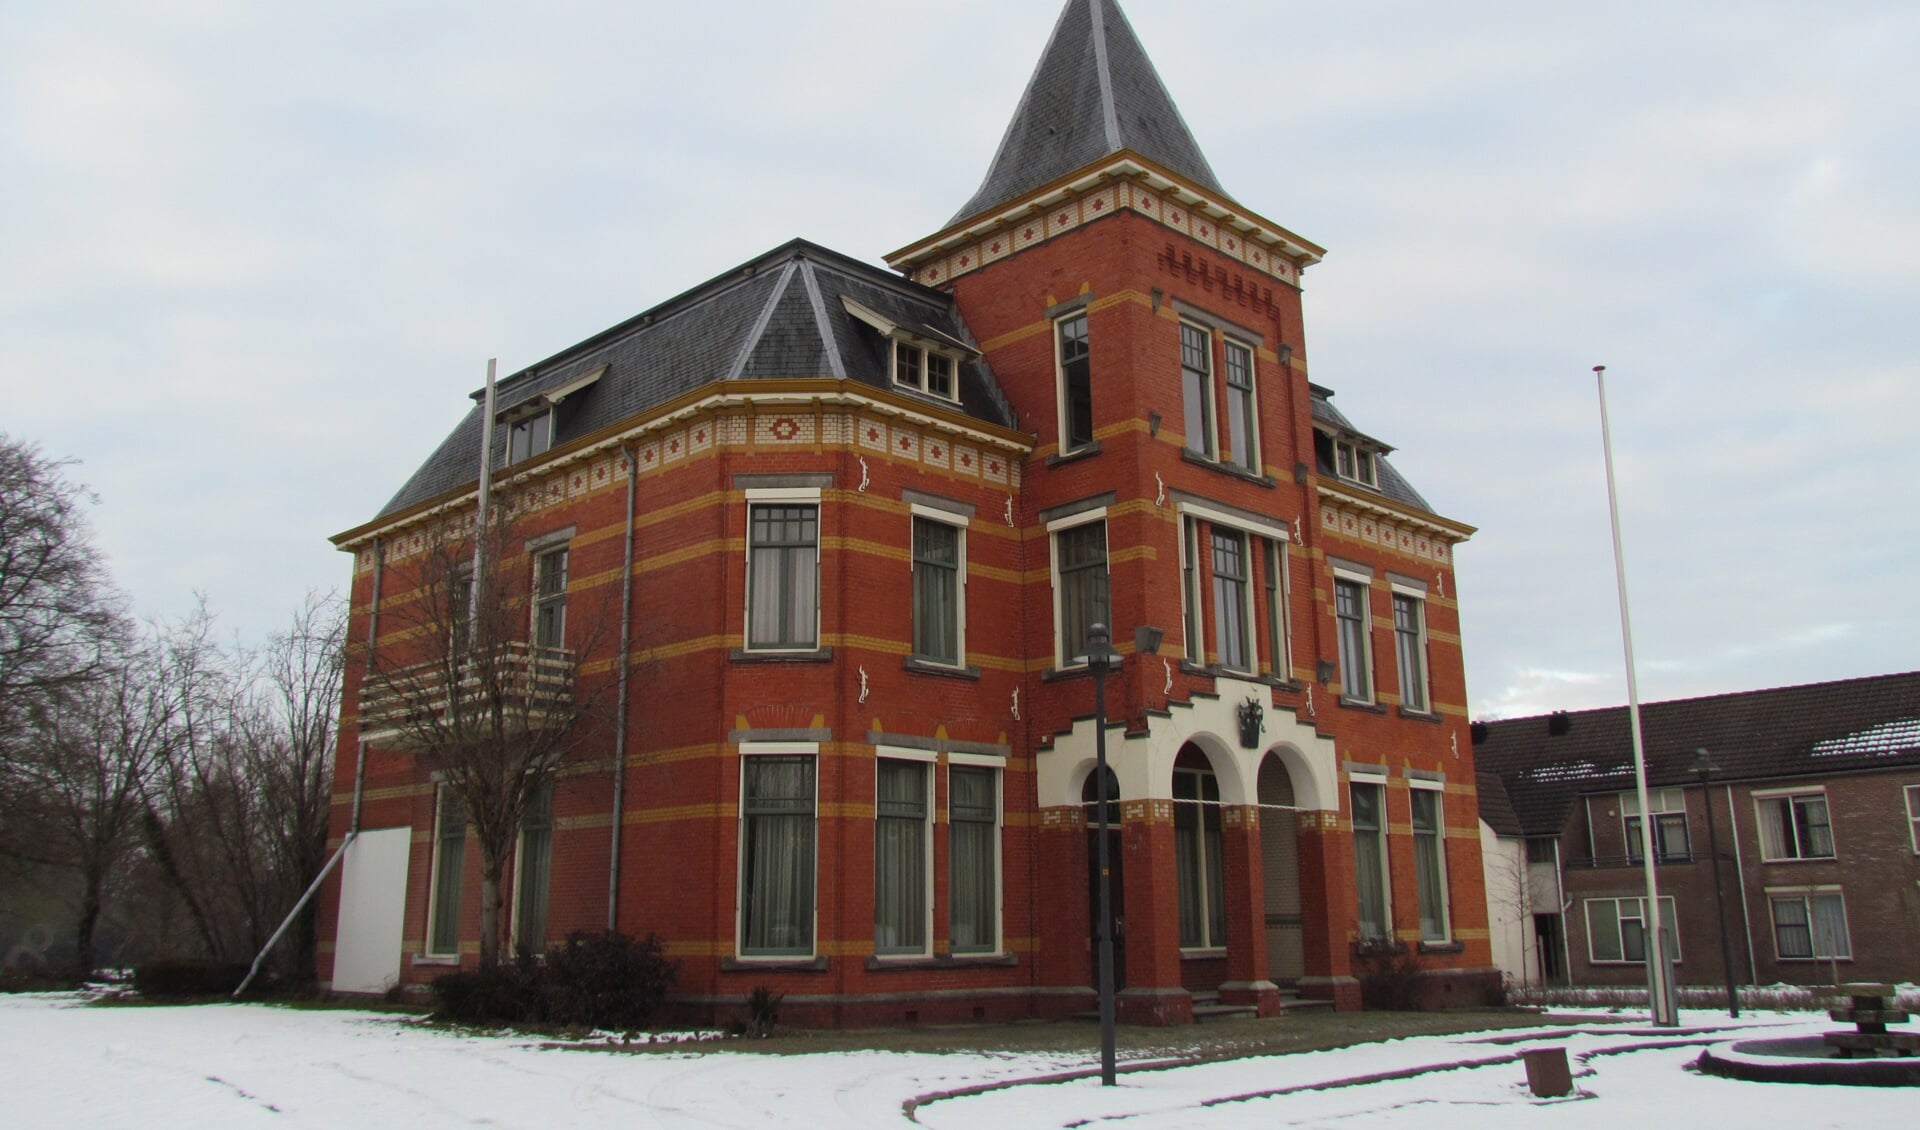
(1600, 863)
(405, 707)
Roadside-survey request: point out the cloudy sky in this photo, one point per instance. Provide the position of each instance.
(256, 255)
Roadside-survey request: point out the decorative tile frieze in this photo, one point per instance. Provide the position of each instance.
(1392, 536)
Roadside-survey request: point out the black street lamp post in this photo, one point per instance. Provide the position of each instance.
(1099, 661)
(1703, 765)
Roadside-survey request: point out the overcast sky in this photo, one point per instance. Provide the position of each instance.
(256, 255)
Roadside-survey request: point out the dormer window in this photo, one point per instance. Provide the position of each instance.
(923, 370)
(1355, 463)
(529, 436)
(920, 357)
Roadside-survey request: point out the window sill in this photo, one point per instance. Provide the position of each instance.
(1362, 705)
(929, 667)
(1282, 684)
(1210, 953)
(1378, 947)
(1418, 715)
(1056, 674)
(1238, 472)
(448, 960)
(1443, 947)
(1084, 451)
(745, 655)
(911, 963)
(774, 964)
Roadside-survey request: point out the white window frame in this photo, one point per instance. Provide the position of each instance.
(1065, 445)
(771, 749)
(540, 601)
(1247, 630)
(1913, 815)
(1763, 798)
(1666, 801)
(1365, 581)
(1355, 454)
(1379, 780)
(765, 496)
(1194, 603)
(1438, 790)
(925, 759)
(1280, 607)
(1669, 921)
(1061, 659)
(1211, 425)
(440, 791)
(998, 911)
(538, 427)
(1248, 461)
(960, 522)
(1200, 805)
(519, 855)
(1423, 680)
(896, 343)
(1805, 896)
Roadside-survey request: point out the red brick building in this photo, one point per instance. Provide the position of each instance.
(1814, 794)
(853, 526)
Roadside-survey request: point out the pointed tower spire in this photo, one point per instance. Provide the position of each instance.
(1094, 94)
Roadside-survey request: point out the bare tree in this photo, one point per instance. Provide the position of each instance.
(483, 682)
(77, 778)
(57, 611)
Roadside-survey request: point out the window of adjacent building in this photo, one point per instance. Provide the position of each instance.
(1356, 649)
(938, 559)
(1913, 815)
(1617, 930)
(529, 436)
(1080, 590)
(1076, 384)
(533, 870)
(1810, 924)
(783, 588)
(449, 864)
(973, 858)
(1670, 841)
(1410, 649)
(900, 850)
(1430, 862)
(923, 369)
(1232, 599)
(550, 599)
(1243, 447)
(1369, 799)
(1794, 827)
(1196, 859)
(776, 855)
(1196, 387)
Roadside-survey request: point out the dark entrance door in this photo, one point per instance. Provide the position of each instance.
(1117, 881)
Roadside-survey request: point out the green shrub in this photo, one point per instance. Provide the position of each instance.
(188, 977)
(607, 980)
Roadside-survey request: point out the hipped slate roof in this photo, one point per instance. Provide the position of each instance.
(1392, 483)
(779, 316)
(1094, 93)
(1847, 726)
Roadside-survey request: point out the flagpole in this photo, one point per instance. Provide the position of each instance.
(1658, 971)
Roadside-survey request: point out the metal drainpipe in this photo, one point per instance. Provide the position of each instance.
(620, 725)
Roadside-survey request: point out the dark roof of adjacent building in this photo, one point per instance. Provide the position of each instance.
(1496, 808)
(1546, 762)
(1093, 94)
(1392, 483)
(778, 316)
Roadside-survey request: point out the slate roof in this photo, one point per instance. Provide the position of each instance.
(1846, 726)
(1495, 806)
(1094, 93)
(1392, 483)
(778, 316)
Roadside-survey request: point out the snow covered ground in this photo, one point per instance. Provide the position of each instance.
(215, 1067)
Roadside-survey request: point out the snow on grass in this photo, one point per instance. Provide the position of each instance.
(220, 1067)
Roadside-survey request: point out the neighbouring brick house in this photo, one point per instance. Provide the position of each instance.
(1815, 795)
(856, 523)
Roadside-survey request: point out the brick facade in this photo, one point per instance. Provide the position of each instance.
(1139, 254)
